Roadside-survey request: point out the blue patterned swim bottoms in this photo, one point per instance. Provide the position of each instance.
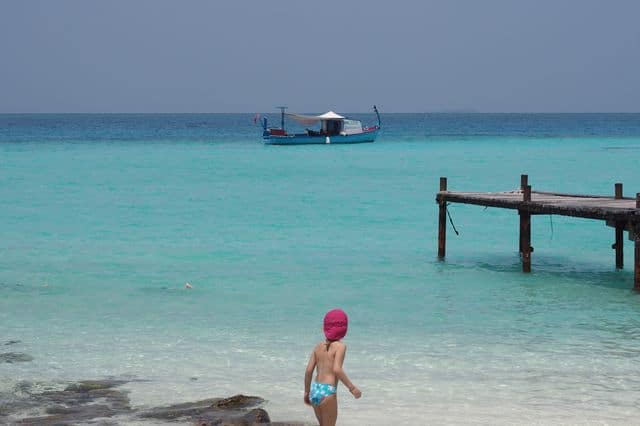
(319, 391)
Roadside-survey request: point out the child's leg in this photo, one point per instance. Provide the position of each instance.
(318, 413)
(328, 409)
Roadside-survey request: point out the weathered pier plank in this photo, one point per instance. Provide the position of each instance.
(622, 213)
(604, 208)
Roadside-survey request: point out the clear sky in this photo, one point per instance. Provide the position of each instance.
(247, 56)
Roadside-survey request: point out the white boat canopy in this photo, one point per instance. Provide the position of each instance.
(312, 119)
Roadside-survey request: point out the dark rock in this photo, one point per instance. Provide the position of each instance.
(23, 387)
(78, 403)
(11, 342)
(219, 411)
(92, 385)
(98, 402)
(11, 357)
(70, 416)
(59, 409)
(257, 415)
(176, 411)
(238, 401)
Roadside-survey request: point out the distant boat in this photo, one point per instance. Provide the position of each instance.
(333, 129)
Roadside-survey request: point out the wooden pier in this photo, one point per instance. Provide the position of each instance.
(619, 212)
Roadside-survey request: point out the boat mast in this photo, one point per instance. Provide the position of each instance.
(282, 109)
(377, 114)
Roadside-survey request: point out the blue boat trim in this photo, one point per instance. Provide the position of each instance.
(305, 139)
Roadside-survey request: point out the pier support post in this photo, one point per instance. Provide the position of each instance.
(636, 268)
(442, 222)
(619, 244)
(636, 271)
(524, 182)
(525, 232)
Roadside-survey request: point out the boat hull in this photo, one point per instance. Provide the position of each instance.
(301, 139)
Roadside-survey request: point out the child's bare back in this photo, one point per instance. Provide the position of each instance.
(325, 354)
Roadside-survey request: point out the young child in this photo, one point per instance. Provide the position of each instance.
(328, 357)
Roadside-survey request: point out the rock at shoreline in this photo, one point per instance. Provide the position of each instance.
(11, 357)
(236, 410)
(11, 342)
(91, 401)
(77, 403)
(238, 401)
(94, 385)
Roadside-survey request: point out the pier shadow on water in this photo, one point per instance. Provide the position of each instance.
(545, 268)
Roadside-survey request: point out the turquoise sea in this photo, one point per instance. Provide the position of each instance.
(104, 218)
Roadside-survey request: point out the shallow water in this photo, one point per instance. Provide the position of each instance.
(105, 217)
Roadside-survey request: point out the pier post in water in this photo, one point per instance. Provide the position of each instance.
(524, 182)
(442, 222)
(619, 244)
(525, 232)
(636, 238)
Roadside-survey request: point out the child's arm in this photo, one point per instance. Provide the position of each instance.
(341, 375)
(308, 373)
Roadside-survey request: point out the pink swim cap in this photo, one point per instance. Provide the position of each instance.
(335, 324)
